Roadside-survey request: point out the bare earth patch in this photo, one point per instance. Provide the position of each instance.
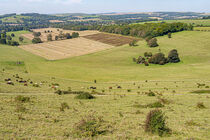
(111, 39)
(55, 50)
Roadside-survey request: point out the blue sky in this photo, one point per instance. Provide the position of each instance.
(102, 6)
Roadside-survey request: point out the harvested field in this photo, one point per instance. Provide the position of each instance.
(66, 48)
(111, 39)
(56, 31)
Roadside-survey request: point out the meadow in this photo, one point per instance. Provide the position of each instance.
(122, 109)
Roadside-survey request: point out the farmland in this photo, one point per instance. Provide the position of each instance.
(65, 48)
(111, 39)
(54, 32)
(121, 87)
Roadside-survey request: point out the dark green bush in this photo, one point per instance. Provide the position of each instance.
(158, 58)
(150, 93)
(147, 54)
(89, 126)
(85, 95)
(152, 42)
(36, 40)
(157, 104)
(200, 105)
(156, 123)
(22, 99)
(173, 56)
(64, 106)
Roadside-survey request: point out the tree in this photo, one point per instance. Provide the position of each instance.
(21, 39)
(3, 41)
(158, 58)
(37, 34)
(152, 42)
(173, 56)
(56, 37)
(68, 36)
(9, 37)
(13, 35)
(75, 35)
(36, 40)
(49, 37)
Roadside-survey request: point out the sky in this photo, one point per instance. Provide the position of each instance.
(102, 6)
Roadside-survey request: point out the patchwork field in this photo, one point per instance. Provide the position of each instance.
(112, 39)
(56, 31)
(66, 48)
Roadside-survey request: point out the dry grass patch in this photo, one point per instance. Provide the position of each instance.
(66, 48)
(111, 39)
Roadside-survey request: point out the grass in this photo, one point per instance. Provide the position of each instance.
(18, 34)
(51, 116)
(44, 120)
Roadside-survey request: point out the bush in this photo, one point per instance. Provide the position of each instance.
(64, 106)
(69, 91)
(36, 40)
(156, 123)
(157, 104)
(22, 99)
(133, 43)
(169, 35)
(173, 56)
(152, 42)
(89, 126)
(158, 58)
(36, 34)
(200, 105)
(147, 54)
(85, 95)
(140, 60)
(75, 35)
(150, 93)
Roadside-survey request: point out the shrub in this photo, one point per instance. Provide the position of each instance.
(141, 60)
(169, 35)
(75, 35)
(152, 42)
(22, 99)
(64, 106)
(133, 43)
(150, 93)
(36, 40)
(49, 37)
(157, 104)
(85, 95)
(173, 56)
(156, 123)
(158, 58)
(69, 91)
(146, 63)
(89, 126)
(200, 105)
(147, 54)
(36, 34)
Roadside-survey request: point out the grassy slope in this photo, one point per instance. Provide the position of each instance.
(18, 34)
(116, 64)
(204, 22)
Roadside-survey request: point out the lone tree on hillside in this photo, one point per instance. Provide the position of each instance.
(36, 40)
(49, 37)
(173, 56)
(13, 35)
(21, 39)
(152, 42)
(9, 37)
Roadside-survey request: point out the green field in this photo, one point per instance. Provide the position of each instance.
(111, 68)
(194, 22)
(14, 19)
(18, 34)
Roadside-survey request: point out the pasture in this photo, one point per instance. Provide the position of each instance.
(121, 89)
